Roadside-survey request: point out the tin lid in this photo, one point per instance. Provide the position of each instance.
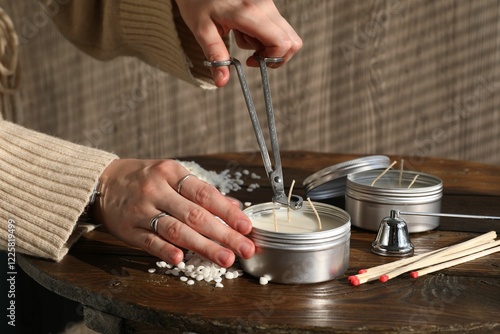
(330, 181)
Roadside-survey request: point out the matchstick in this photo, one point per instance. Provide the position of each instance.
(366, 275)
(374, 273)
(383, 173)
(444, 265)
(439, 257)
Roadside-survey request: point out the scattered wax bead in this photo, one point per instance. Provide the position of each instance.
(184, 278)
(247, 204)
(151, 270)
(263, 280)
(181, 265)
(161, 264)
(229, 275)
(190, 282)
(219, 285)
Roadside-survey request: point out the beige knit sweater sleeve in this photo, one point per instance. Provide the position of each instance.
(151, 30)
(45, 182)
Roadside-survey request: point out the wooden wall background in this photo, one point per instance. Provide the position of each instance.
(374, 77)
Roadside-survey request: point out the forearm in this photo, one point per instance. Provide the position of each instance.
(45, 184)
(151, 30)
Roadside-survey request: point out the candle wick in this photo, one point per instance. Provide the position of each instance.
(401, 172)
(413, 181)
(289, 199)
(383, 173)
(315, 212)
(275, 221)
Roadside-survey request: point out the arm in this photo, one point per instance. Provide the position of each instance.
(176, 36)
(150, 30)
(45, 184)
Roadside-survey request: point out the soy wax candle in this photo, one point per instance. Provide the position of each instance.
(290, 246)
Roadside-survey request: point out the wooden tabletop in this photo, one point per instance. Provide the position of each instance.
(119, 295)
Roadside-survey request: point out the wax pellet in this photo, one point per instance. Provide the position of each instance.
(184, 278)
(181, 265)
(219, 285)
(199, 277)
(218, 280)
(190, 282)
(151, 270)
(229, 275)
(263, 281)
(247, 204)
(222, 271)
(161, 264)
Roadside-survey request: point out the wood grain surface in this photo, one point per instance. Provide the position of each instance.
(110, 278)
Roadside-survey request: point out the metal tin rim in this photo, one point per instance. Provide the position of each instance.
(330, 181)
(303, 241)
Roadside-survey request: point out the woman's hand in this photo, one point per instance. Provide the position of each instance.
(257, 25)
(134, 191)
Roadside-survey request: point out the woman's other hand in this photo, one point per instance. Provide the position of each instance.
(257, 25)
(134, 191)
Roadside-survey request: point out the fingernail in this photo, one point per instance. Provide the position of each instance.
(218, 75)
(244, 226)
(225, 258)
(247, 249)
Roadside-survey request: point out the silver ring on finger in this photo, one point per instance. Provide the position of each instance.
(153, 223)
(181, 181)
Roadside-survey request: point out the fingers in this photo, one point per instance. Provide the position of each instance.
(257, 25)
(214, 49)
(173, 234)
(199, 207)
(136, 191)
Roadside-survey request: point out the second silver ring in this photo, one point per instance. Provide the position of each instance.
(179, 186)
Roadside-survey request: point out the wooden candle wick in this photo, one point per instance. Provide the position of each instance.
(315, 212)
(289, 198)
(413, 181)
(275, 221)
(383, 173)
(401, 172)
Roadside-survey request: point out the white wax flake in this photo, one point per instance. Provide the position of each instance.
(151, 270)
(196, 268)
(263, 280)
(161, 264)
(247, 204)
(255, 176)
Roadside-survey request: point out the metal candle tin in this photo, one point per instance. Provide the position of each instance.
(369, 205)
(302, 255)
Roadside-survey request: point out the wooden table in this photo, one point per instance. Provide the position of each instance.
(111, 280)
